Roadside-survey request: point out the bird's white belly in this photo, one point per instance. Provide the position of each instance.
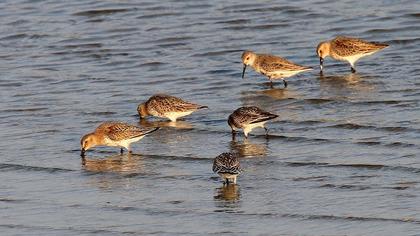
(282, 74)
(173, 116)
(227, 175)
(111, 143)
(352, 59)
(248, 128)
(122, 143)
(256, 125)
(126, 143)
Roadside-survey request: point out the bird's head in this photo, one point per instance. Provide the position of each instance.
(248, 59)
(141, 109)
(323, 50)
(88, 141)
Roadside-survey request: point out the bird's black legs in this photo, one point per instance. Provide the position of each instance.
(82, 153)
(233, 135)
(121, 151)
(272, 84)
(266, 132)
(353, 70)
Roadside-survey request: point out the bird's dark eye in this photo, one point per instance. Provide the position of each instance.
(247, 58)
(320, 51)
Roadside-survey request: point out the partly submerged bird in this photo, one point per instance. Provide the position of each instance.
(248, 118)
(227, 166)
(274, 67)
(166, 106)
(114, 134)
(347, 49)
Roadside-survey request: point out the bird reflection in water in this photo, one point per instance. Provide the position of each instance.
(174, 132)
(278, 93)
(114, 172)
(352, 80)
(264, 98)
(180, 124)
(228, 193)
(247, 148)
(130, 163)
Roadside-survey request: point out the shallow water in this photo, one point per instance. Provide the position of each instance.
(342, 159)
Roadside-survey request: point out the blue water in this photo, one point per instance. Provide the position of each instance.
(342, 158)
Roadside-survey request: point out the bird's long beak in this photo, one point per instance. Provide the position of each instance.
(82, 153)
(321, 63)
(243, 72)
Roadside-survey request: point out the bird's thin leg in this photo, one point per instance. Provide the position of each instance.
(266, 132)
(271, 81)
(285, 83)
(129, 149)
(227, 181)
(353, 70)
(121, 151)
(233, 135)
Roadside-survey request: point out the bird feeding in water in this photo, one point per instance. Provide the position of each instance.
(347, 49)
(166, 106)
(114, 134)
(274, 67)
(248, 118)
(227, 166)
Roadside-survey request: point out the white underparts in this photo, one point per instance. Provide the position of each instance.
(229, 177)
(123, 143)
(248, 128)
(173, 116)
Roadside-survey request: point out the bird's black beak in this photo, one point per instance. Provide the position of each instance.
(82, 153)
(321, 63)
(243, 72)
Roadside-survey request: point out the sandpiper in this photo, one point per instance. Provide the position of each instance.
(227, 166)
(248, 118)
(347, 49)
(273, 67)
(166, 106)
(114, 134)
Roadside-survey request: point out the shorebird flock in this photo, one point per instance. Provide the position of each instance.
(226, 165)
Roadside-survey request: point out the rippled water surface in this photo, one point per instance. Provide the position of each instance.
(342, 159)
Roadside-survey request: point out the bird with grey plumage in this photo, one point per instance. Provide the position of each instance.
(114, 134)
(347, 49)
(248, 118)
(227, 166)
(274, 67)
(166, 106)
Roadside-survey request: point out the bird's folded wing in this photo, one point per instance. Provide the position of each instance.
(344, 46)
(273, 63)
(120, 131)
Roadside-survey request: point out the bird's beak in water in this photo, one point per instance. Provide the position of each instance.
(243, 72)
(82, 153)
(321, 63)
